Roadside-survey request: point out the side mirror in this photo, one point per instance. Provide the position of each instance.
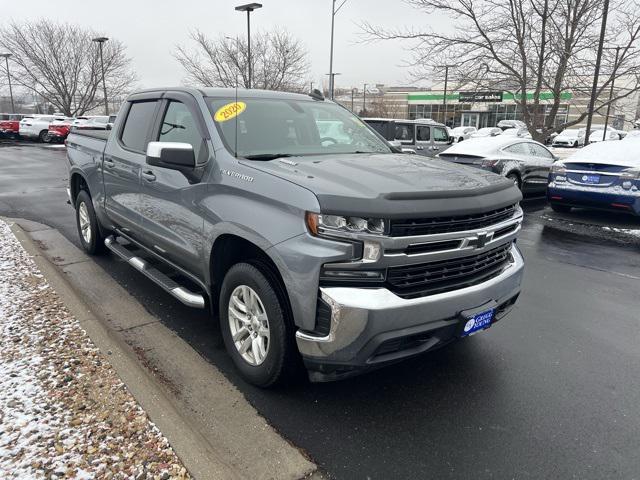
(450, 142)
(172, 155)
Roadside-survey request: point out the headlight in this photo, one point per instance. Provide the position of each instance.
(630, 174)
(319, 223)
(558, 169)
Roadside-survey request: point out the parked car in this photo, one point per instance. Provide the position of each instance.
(462, 133)
(571, 137)
(525, 162)
(10, 125)
(632, 134)
(101, 122)
(37, 126)
(59, 130)
(598, 135)
(601, 175)
(423, 137)
(516, 132)
(343, 254)
(487, 132)
(505, 124)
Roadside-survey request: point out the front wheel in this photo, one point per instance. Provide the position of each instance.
(254, 324)
(87, 223)
(44, 136)
(575, 144)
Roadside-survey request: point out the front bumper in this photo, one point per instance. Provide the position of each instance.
(368, 323)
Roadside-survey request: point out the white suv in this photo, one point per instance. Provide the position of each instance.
(37, 126)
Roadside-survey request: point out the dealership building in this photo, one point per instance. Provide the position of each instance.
(486, 108)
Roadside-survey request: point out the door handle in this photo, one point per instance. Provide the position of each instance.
(148, 176)
(419, 148)
(109, 163)
(435, 148)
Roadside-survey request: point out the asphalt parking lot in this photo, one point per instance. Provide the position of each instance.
(549, 392)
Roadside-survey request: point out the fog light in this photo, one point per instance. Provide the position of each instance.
(371, 252)
(626, 185)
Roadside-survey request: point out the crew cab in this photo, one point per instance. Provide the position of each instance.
(311, 249)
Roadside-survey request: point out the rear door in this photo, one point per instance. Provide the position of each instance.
(123, 160)
(423, 140)
(173, 227)
(405, 134)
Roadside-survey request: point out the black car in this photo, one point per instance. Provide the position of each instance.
(526, 162)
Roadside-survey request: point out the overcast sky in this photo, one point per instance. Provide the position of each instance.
(151, 29)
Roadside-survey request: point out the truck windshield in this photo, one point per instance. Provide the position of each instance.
(262, 128)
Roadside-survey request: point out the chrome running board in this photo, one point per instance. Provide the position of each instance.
(186, 296)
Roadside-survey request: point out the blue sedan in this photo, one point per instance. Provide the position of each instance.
(604, 175)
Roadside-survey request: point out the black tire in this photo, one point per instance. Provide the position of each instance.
(95, 243)
(556, 207)
(575, 144)
(515, 178)
(461, 139)
(44, 136)
(282, 361)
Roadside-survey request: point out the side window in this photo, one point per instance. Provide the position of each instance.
(539, 151)
(440, 134)
(178, 125)
(517, 148)
(136, 127)
(404, 132)
(423, 134)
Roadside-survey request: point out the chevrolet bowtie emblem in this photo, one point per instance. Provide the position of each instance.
(483, 238)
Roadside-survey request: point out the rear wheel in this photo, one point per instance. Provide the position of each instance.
(515, 179)
(256, 331)
(87, 223)
(556, 207)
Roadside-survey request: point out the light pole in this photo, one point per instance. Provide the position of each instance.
(249, 7)
(6, 58)
(100, 41)
(444, 98)
(334, 10)
(594, 89)
(332, 81)
(352, 93)
(613, 81)
(364, 100)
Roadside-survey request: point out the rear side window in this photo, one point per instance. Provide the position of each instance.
(404, 132)
(136, 128)
(539, 151)
(423, 134)
(518, 149)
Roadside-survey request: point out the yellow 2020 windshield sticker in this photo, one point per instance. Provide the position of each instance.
(229, 111)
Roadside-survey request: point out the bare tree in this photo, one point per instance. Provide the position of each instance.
(527, 48)
(61, 64)
(278, 61)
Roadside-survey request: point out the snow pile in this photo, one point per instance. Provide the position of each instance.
(63, 411)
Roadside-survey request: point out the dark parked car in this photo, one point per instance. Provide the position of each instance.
(525, 162)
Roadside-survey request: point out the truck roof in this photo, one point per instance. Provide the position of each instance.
(228, 92)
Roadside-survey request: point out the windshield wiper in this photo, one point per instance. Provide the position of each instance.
(267, 156)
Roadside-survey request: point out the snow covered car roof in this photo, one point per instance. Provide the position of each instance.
(625, 153)
(481, 146)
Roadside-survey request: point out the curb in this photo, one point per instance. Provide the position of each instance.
(203, 416)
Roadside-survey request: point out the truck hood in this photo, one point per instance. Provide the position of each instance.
(393, 185)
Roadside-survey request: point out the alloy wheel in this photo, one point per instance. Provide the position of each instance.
(249, 325)
(85, 222)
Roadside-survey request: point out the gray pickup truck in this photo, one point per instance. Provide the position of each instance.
(331, 252)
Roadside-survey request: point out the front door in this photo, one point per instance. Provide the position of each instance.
(122, 165)
(173, 227)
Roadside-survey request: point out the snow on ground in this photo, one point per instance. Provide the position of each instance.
(64, 413)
